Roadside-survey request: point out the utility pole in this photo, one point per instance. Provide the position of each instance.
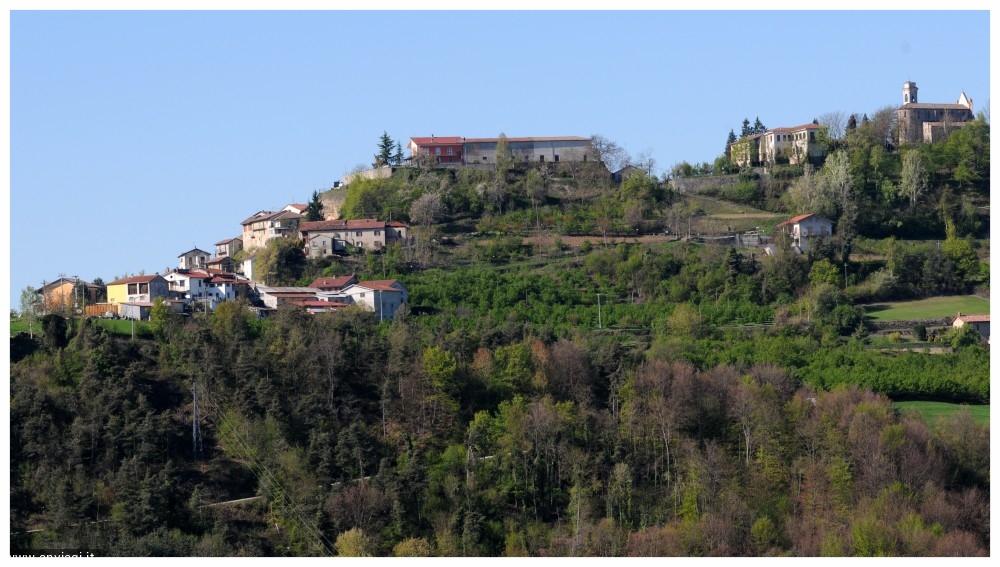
(599, 323)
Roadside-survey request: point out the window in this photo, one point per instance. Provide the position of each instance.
(378, 233)
(451, 151)
(437, 151)
(541, 158)
(358, 233)
(557, 157)
(133, 289)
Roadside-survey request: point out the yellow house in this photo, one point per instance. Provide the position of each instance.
(137, 289)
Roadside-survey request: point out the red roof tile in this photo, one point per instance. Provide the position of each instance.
(794, 220)
(332, 283)
(316, 226)
(974, 318)
(809, 126)
(380, 285)
(438, 141)
(529, 139)
(259, 216)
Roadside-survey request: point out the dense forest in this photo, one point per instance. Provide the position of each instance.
(617, 398)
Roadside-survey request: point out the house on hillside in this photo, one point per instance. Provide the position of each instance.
(228, 247)
(193, 259)
(204, 289)
(384, 297)
(442, 149)
(980, 323)
(265, 225)
(920, 122)
(795, 145)
(324, 238)
(138, 289)
(221, 264)
(66, 294)
(274, 297)
(802, 228)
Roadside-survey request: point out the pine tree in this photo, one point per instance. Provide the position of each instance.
(729, 144)
(852, 122)
(398, 158)
(746, 131)
(758, 126)
(314, 211)
(385, 147)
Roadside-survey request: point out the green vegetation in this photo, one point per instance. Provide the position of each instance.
(557, 385)
(930, 308)
(933, 411)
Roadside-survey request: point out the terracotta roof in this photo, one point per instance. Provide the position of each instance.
(135, 279)
(379, 285)
(794, 220)
(332, 283)
(309, 226)
(227, 241)
(298, 206)
(219, 259)
(809, 126)
(399, 224)
(357, 224)
(974, 318)
(438, 141)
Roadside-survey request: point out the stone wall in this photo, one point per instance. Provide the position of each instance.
(702, 183)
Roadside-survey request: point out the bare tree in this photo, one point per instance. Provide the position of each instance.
(608, 152)
(884, 121)
(427, 209)
(835, 122)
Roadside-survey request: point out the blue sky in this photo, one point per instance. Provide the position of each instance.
(135, 136)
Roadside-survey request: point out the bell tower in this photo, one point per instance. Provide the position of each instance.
(909, 92)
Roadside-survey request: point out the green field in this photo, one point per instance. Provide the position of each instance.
(930, 308)
(933, 410)
(116, 326)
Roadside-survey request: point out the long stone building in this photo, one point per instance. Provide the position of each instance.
(456, 149)
(921, 122)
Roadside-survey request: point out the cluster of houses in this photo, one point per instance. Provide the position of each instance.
(202, 280)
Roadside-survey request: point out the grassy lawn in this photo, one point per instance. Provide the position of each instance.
(116, 326)
(930, 308)
(933, 410)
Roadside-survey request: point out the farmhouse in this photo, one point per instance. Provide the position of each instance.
(805, 227)
(795, 145)
(980, 323)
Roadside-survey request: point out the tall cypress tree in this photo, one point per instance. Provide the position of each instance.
(314, 210)
(385, 147)
(729, 144)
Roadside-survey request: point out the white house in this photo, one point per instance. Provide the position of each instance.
(384, 297)
(804, 227)
(193, 259)
(202, 287)
(275, 297)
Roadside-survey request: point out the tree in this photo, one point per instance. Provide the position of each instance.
(385, 147)
(852, 123)
(281, 261)
(758, 126)
(914, 179)
(608, 152)
(746, 130)
(730, 140)
(397, 159)
(354, 543)
(314, 211)
(834, 122)
(427, 209)
(505, 158)
(29, 301)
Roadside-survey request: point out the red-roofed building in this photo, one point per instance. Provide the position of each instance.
(333, 284)
(228, 247)
(802, 228)
(980, 323)
(447, 149)
(265, 225)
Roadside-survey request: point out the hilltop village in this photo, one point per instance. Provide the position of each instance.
(535, 346)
